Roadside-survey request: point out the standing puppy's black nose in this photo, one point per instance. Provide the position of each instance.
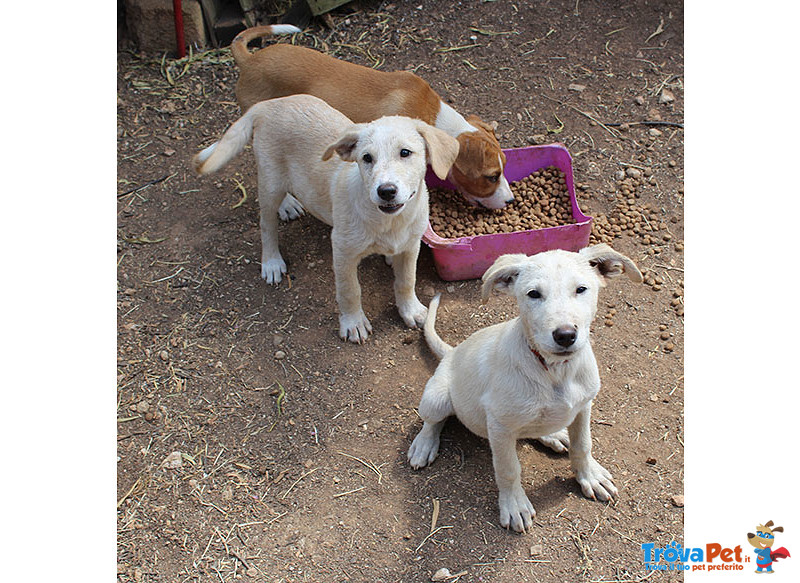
(565, 336)
(387, 191)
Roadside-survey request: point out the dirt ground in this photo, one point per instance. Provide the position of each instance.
(253, 444)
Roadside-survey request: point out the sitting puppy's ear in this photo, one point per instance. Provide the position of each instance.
(441, 149)
(345, 145)
(502, 275)
(610, 263)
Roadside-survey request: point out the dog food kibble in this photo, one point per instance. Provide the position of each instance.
(540, 200)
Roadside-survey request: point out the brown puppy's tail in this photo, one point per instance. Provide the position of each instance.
(239, 44)
(435, 343)
(228, 147)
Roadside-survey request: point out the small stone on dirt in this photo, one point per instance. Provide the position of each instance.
(536, 550)
(442, 574)
(163, 355)
(666, 96)
(173, 461)
(677, 500)
(227, 492)
(576, 87)
(280, 355)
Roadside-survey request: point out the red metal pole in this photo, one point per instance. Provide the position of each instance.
(178, 11)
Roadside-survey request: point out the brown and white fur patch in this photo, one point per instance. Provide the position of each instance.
(363, 94)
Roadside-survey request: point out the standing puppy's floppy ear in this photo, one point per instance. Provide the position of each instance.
(345, 145)
(441, 149)
(610, 263)
(502, 274)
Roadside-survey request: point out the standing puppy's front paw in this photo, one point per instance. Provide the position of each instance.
(595, 481)
(272, 270)
(423, 449)
(413, 313)
(354, 327)
(516, 510)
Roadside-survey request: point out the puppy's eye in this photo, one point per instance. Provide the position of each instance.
(367, 158)
(405, 153)
(534, 293)
(493, 179)
(581, 289)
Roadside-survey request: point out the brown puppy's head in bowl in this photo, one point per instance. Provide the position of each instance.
(478, 170)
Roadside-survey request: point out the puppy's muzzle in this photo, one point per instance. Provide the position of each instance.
(565, 336)
(387, 193)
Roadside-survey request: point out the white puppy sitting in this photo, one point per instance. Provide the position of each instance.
(530, 377)
(372, 192)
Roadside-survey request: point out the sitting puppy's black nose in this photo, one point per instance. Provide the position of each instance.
(387, 191)
(565, 336)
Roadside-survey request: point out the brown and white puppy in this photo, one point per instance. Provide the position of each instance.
(372, 191)
(533, 377)
(363, 95)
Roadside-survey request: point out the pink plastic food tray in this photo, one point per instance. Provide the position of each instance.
(469, 257)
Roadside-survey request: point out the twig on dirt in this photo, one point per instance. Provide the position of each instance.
(667, 267)
(452, 49)
(367, 464)
(491, 32)
(340, 494)
(557, 130)
(435, 515)
(639, 580)
(430, 535)
(614, 133)
(211, 504)
(166, 278)
(672, 124)
(241, 187)
(197, 562)
(145, 185)
(129, 492)
(658, 30)
(297, 481)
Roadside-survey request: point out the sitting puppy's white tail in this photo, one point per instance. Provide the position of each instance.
(435, 343)
(232, 143)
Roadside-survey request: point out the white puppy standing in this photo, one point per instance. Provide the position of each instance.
(530, 377)
(373, 193)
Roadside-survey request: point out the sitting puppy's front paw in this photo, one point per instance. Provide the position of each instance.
(516, 511)
(558, 441)
(272, 270)
(354, 327)
(413, 313)
(595, 481)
